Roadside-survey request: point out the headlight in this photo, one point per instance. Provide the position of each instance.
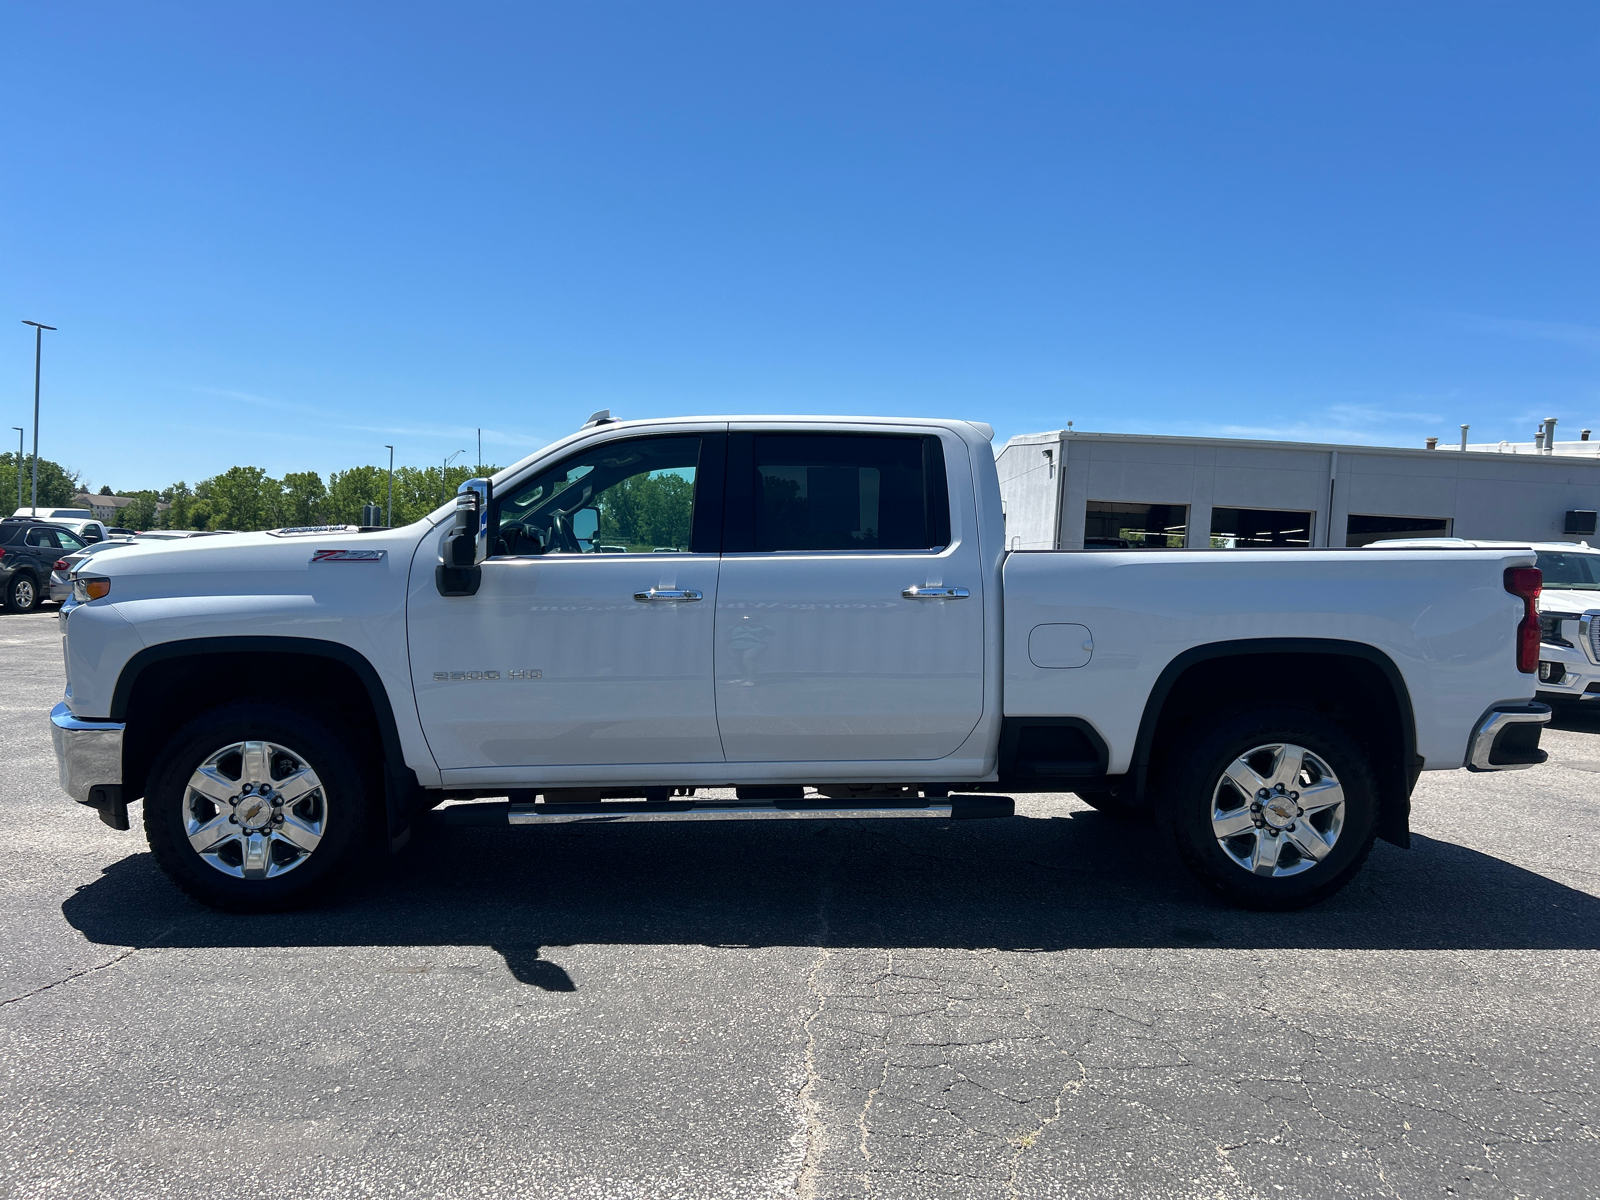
(91, 588)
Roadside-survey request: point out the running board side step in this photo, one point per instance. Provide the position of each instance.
(955, 808)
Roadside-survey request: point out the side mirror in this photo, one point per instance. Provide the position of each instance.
(469, 538)
(468, 544)
(586, 525)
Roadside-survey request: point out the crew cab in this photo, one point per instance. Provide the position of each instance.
(817, 612)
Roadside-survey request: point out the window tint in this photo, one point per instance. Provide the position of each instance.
(68, 541)
(624, 497)
(837, 492)
(43, 538)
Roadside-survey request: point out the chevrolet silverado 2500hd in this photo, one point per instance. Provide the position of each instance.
(776, 604)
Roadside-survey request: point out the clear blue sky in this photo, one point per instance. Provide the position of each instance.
(285, 234)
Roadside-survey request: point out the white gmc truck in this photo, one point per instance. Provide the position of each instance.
(817, 612)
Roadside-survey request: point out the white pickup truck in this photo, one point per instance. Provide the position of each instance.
(817, 612)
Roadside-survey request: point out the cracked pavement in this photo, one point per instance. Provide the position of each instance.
(900, 1009)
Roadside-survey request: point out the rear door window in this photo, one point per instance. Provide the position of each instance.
(836, 492)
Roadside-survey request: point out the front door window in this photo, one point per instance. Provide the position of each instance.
(628, 497)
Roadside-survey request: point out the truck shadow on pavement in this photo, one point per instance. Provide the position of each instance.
(1063, 882)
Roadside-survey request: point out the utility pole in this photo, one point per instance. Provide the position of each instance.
(480, 450)
(20, 431)
(38, 343)
(389, 520)
(444, 486)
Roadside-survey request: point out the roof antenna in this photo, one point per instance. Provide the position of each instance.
(603, 417)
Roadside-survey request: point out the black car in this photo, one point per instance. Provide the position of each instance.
(29, 549)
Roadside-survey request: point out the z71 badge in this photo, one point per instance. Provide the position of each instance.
(348, 555)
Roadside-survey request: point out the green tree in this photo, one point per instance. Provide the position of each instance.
(246, 498)
(141, 514)
(305, 499)
(349, 490)
(57, 484)
(203, 515)
(420, 490)
(179, 515)
(648, 511)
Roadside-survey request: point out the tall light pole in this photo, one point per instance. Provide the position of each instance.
(389, 520)
(480, 449)
(19, 430)
(443, 485)
(38, 343)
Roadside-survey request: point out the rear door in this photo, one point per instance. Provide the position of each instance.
(842, 630)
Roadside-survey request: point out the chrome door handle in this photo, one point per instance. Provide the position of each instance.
(917, 592)
(668, 594)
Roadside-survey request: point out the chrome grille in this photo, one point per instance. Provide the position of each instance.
(1594, 636)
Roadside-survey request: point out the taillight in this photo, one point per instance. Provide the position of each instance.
(1526, 582)
(61, 565)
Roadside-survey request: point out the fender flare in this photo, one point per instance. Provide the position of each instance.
(400, 782)
(1394, 812)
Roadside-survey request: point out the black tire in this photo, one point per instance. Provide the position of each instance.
(1115, 805)
(345, 801)
(1192, 782)
(22, 593)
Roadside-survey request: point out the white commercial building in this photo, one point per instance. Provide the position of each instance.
(1070, 491)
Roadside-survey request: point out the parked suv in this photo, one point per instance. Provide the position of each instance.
(29, 550)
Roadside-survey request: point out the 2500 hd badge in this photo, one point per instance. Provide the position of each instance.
(457, 676)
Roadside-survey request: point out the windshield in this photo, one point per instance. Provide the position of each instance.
(1573, 572)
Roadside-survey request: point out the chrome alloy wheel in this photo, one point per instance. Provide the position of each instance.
(254, 810)
(1277, 810)
(23, 593)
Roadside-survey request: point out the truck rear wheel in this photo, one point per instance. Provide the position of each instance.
(1273, 809)
(257, 808)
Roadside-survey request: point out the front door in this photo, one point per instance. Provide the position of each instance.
(821, 654)
(589, 640)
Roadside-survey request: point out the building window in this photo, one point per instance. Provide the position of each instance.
(1248, 528)
(1109, 526)
(1363, 530)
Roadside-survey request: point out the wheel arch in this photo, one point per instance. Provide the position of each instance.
(1386, 726)
(343, 673)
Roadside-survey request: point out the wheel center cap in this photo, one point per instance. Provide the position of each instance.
(254, 812)
(1280, 811)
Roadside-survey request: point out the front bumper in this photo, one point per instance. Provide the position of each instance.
(1506, 737)
(89, 755)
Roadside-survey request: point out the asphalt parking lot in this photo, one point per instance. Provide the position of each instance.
(1043, 1006)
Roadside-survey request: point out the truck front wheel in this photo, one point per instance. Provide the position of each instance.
(1273, 809)
(257, 807)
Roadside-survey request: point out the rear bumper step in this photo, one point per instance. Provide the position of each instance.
(956, 808)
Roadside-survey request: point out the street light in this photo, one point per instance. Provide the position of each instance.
(389, 520)
(38, 343)
(18, 428)
(444, 485)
